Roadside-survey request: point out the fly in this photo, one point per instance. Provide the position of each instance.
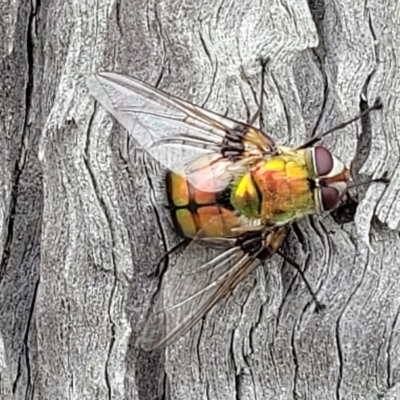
(229, 186)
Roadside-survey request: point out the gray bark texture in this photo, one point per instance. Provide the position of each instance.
(81, 231)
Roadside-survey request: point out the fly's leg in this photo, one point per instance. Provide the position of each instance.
(258, 113)
(316, 138)
(254, 244)
(233, 145)
(319, 306)
(158, 270)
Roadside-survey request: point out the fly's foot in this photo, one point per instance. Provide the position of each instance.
(378, 104)
(264, 62)
(319, 307)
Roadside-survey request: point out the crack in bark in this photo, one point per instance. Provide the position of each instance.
(67, 305)
(20, 162)
(165, 383)
(285, 109)
(327, 251)
(241, 316)
(254, 327)
(340, 356)
(379, 352)
(201, 328)
(364, 141)
(337, 329)
(118, 16)
(375, 39)
(238, 384)
(247, 80)
(26, 337)
(317, 9)
(392, 331)
(110, 225)
(271, 353)
(295, 361)
(208, 390)
(162, 272)
(16, 177)
(218, 13)
(208, 54)
(284, 298)
(162, 44)
(148, 7)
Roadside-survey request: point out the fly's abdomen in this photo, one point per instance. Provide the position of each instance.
(198, 212)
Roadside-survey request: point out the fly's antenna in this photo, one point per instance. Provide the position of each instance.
(377, 106)
(368, 181)
(319, 306)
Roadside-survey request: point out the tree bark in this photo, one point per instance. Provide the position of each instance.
(81, 231)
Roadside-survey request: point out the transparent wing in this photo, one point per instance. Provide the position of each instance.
(199, 280)
(171, 130)
(185, 298)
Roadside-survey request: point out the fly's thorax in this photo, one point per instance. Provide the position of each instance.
(276, 189)
(290, 185)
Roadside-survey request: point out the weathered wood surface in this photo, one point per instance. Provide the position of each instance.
(81, 231)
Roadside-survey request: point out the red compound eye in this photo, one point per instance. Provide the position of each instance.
(329, 197)
(323, 160)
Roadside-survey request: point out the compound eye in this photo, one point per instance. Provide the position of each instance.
(323, 160)
(330, 198)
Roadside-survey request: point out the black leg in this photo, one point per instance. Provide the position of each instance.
(261, 100)
(172, 250)
(377, 105)
(253, 244)
(319, 306)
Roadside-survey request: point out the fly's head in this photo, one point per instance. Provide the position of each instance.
(330, 177)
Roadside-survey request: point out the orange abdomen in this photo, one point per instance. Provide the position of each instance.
(199, 212)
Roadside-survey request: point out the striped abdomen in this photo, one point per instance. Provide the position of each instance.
(199, 212)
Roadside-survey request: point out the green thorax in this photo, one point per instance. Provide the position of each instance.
(278, 190)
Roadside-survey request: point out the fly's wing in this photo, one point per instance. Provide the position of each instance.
(171, 130)
(199, 281)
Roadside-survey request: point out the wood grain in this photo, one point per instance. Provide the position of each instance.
(82, 226)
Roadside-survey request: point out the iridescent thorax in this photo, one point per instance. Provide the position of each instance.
(276, 190)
